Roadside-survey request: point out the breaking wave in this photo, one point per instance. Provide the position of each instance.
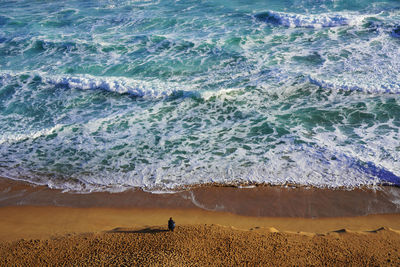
(388, 87)
(309, 21)
(121, 85)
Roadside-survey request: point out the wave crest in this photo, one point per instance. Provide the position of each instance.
(116, 84)
(387, 88)
(121, 85)
(308, 21)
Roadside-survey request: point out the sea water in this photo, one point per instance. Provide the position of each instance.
(110, 95)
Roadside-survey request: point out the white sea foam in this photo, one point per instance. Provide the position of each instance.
(121, 85)
(16, 137)
(392, 87)
(312, 21)
(302, 165)
(332, 162)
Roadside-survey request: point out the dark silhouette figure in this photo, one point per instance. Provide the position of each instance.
(171, 224)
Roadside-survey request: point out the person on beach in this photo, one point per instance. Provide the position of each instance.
(171, 224)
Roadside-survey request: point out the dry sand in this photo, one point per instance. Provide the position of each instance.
(206, 245)
(94, 236)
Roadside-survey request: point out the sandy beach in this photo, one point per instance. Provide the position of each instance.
(92, 236)
(215, 226)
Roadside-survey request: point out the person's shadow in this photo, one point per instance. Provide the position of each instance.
(120, 230)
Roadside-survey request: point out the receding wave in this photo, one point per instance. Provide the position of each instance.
(301, 167)
(309, 21)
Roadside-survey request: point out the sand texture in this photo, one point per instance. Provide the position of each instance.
(207, 245)
(37, 236)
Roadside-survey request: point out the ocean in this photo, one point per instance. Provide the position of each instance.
(160, 95)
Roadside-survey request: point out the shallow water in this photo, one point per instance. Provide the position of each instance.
(108, 95)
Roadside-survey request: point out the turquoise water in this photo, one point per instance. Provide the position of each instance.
(109, 95)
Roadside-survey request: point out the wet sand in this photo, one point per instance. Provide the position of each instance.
(260, 201)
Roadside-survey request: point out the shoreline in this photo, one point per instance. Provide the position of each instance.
(214, 226)
(258, 201)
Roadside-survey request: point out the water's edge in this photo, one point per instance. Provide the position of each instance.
(260, 201)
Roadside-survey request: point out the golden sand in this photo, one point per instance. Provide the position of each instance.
(93, 236)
